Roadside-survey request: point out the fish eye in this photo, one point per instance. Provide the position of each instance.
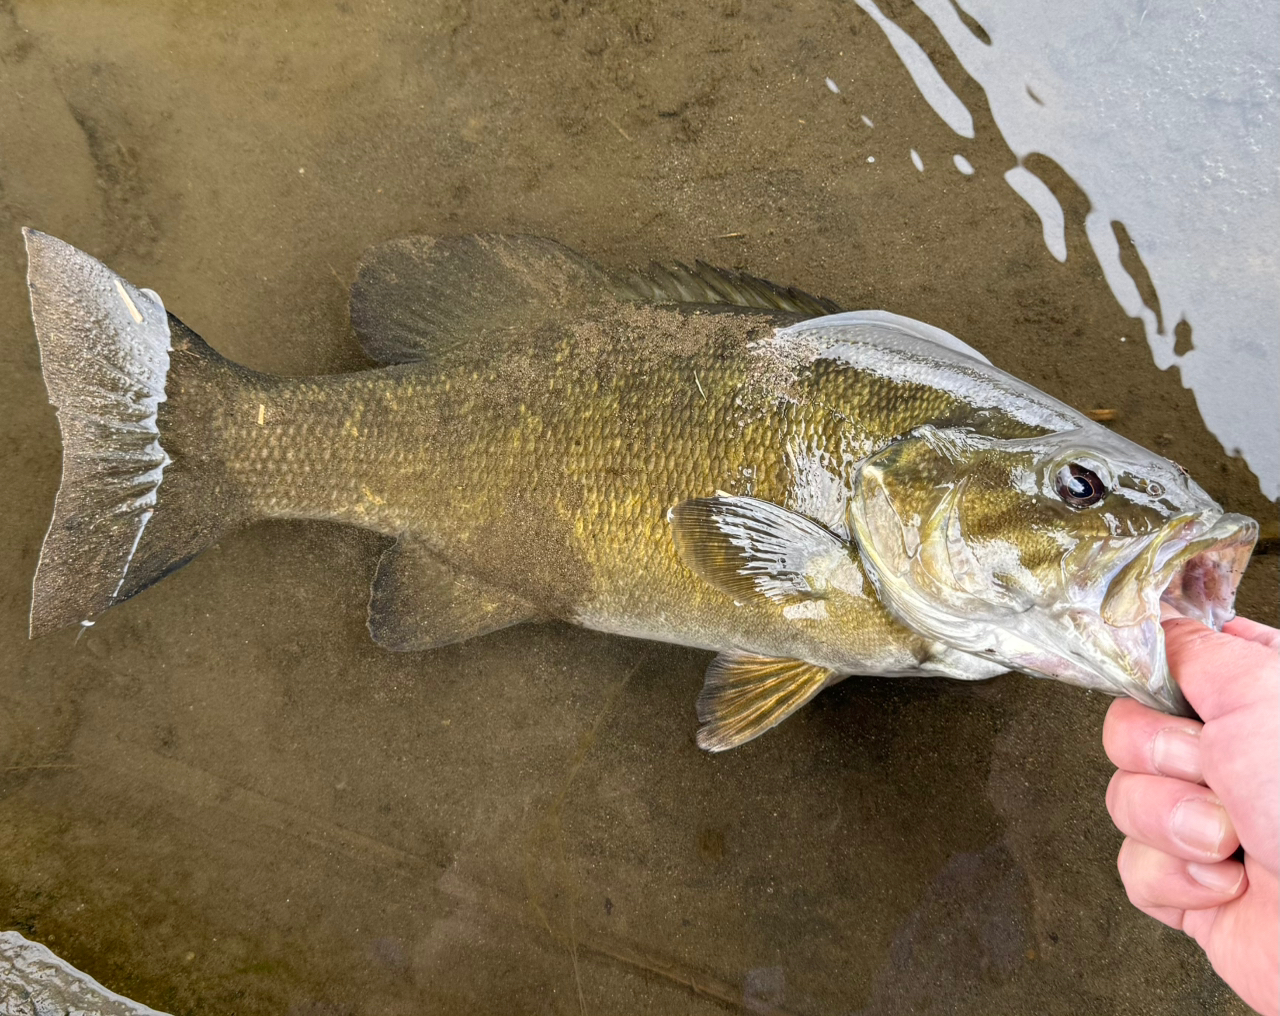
(1080, 486)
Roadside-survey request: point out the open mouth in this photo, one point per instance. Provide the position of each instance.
(1203, 574)
(1194, 570)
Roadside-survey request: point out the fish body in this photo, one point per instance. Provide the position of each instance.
(689, 456)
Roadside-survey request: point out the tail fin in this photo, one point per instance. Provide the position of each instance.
(126, 513)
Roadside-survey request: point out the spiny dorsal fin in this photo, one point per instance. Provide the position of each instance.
(753, 549)
(426, 298)
(744, 695)
(704, 283)
(420, 602)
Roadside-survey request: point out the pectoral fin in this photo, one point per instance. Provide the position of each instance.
(744, 695)
(420, 602)
(755, 549)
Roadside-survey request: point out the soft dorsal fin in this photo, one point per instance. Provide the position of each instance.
(423, 298)
(744, 695)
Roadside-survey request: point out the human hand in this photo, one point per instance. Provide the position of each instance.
(1188, 794)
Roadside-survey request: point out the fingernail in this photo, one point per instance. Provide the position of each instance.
(1200, 824)
(1222, 878)
(1176, 752)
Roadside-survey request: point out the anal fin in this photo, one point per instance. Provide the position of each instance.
(420, 602)
(745, 694)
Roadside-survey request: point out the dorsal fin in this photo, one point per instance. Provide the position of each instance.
(704, 283)
(423, 298)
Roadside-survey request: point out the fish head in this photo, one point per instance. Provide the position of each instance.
(1052, 555)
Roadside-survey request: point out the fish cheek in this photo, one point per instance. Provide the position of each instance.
(1009, 545)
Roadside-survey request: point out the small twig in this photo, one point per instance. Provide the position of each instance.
(699, 384)
(617, 126)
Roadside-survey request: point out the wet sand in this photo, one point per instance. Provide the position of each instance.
(225, 798)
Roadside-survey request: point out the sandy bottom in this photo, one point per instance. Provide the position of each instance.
(224, 798)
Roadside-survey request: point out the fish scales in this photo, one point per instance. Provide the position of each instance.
(551, 476)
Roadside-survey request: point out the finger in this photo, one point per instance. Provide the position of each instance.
(1240, 755)
(1242, 943)
(1171, 916)
(1142, 740)
(1243, 628)
(1154, 879)
(1218, 672)
(1180, 818)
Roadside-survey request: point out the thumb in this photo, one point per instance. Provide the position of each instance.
(1219, 672)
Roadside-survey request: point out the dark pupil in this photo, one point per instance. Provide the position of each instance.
(1080, 487)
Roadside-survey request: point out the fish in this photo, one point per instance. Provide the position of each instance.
(685, 454)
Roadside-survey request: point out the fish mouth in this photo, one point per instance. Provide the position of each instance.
(1207, 571)
(1191, 569)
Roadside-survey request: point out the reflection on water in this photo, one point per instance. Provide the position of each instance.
(223, 797)
(1166, 116)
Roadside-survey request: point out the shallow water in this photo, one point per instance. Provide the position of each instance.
(1167, 116)
(224, 797)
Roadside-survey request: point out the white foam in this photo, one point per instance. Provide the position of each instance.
(33, 979)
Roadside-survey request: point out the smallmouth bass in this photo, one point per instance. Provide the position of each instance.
(688, 455)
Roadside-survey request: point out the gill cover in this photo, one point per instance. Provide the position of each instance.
(908, 516)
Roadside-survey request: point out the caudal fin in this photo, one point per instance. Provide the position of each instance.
(126, 512)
